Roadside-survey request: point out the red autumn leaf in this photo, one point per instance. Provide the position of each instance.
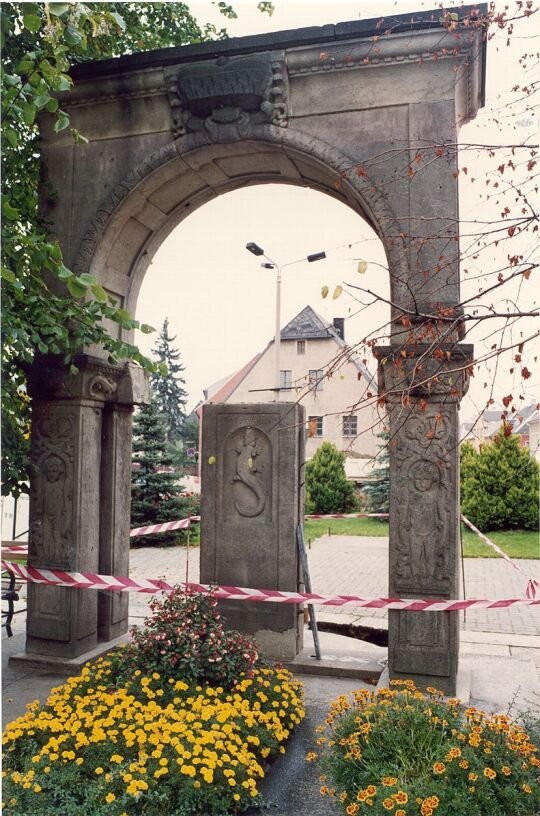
(511, 231)
(410, 172)
(525, 373)
(423, 404)
(527, 273)
(507, 400)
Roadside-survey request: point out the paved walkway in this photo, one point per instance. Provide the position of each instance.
(354, 565)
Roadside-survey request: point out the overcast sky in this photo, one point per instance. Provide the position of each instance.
(220, 303)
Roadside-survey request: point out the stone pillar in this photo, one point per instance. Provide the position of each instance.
(422, 391)
(252, 502)
(76, 462)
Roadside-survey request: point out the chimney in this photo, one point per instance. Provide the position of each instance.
(339, 327)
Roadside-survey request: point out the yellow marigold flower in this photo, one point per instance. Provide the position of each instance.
(464, 763)
(388, 781)
(526, 788)
(473, 777)
(388, 804)
(37, 788)
(371, 790)
(401, 797)
(324, 790)
(99, 771)
(400, 812)
(352, 809)
(110, 798)
(506, 770)
(310, 756)
(490, 773)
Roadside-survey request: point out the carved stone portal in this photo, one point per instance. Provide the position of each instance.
(228, 95)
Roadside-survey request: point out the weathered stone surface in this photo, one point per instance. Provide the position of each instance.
(252, 502)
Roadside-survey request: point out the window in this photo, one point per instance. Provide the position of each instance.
(350, 425)
(285, 379)
(300, 346)
(315, 426)
(316, 378)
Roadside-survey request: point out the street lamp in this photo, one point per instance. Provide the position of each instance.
(256, 250)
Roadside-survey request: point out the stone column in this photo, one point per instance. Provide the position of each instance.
(252, 501)
(422, 390)
(76, 461)
(115, 484)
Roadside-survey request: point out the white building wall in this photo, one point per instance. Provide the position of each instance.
(334, 400)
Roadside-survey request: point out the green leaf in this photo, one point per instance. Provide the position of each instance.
(62, 122)
(62, 82)
(88, 280)
(324, 292)
(99, 293)
(212, 460)
(52, 105)
(32, 22)
(119, 20)
(122, 315)
(361, 268)
(72, 36)
(146, 329)
(58, 9)
(11, 136)
(75, 288)
(163, 369)
(337, 292)
(8, 275)
(41, 100)
(28, 112)
(8, 211)
(63, 273)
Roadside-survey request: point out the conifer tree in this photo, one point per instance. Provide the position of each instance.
(167, 389)
(377, 491)
(154, 488)
(327, 487)
(499, 489)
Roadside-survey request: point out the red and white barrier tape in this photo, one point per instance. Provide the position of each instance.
(15, 548)
(532, 584)
(114, 583)
(164, 527)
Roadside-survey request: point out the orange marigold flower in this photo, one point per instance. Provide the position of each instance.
(401, 797)
(310, 756)
(400, 812)
(324, 790)
(371, 790)
(506, 770)
(388, 781)
(388, 804)
(439, 767)
(352, 809)
(527, 788)
(464, 763)
(490, 773)
(473, 777)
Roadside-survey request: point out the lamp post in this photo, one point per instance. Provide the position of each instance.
(270, 264)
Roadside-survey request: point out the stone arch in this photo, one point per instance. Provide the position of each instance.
(172, 182)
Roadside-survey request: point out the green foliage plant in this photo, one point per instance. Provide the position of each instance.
(184, 638)
(499, 484)
(167, 384)
(402, 751)
(156, 492)
(327, 487)
(377, 491)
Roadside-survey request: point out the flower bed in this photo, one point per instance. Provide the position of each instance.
(402, 752)
(123, 741)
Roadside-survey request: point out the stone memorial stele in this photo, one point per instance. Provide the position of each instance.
(252, 503)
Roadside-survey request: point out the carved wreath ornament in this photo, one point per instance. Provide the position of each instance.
(227, 94)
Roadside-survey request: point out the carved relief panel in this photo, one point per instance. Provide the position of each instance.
(423, 495)
(247, 484)
(53, 452)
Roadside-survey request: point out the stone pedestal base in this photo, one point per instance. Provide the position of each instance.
(68, 667)
(462, 688)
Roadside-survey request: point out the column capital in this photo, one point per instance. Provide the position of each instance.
(423, 370)
(94, 381)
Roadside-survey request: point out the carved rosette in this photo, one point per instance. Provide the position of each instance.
(224, 98)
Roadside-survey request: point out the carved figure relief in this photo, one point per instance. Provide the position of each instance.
(423, 506)
(227, 96)
(52, 454)
(247, 470)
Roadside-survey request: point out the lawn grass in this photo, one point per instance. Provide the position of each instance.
(516, 543)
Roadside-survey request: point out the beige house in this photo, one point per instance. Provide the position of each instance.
(326, 376)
